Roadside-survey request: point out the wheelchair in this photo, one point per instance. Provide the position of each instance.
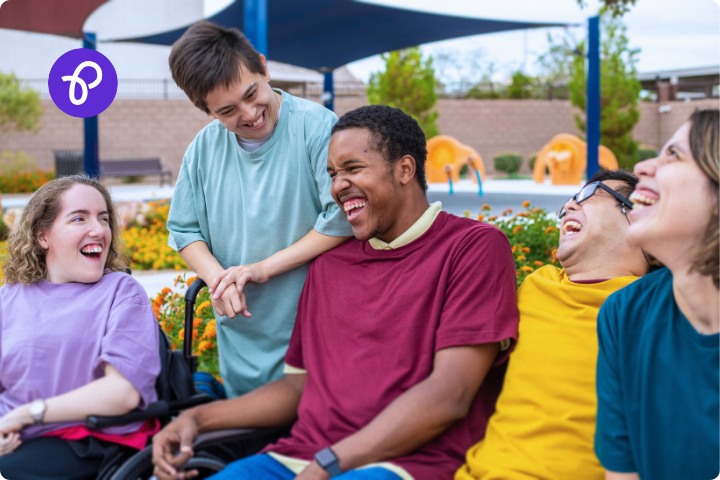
(176, 391)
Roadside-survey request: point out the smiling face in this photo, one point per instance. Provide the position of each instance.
(249, 108)
(365, 186)
(673, 203)
(77, 244)
(595, 229)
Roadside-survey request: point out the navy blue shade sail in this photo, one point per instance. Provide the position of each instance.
(326, 34)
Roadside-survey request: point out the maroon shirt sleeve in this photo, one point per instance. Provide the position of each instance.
(480, 297)
(294, 354)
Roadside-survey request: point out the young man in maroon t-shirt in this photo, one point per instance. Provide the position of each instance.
(393, 365)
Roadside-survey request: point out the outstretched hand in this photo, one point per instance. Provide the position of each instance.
(226, 289)
(172, 448)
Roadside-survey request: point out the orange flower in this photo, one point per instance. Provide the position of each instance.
(526, 203)
(210, 330)
(538, 263)
(481, 217)
(195, 334)
(525, 250)
(191, 280)
(549, 229)
(518, 273)
(509, 211)
(165, 291)
(197, 322)
(515, 248)
(204, 345)
(527, 269)
(517, 228)
(486, 207)
(554, 254)
(203, 306)
(521, 258)
(493, 218)
(181, 334)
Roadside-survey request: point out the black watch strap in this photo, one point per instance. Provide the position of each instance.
(327, 460)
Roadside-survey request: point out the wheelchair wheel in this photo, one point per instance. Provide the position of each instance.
(140, 467)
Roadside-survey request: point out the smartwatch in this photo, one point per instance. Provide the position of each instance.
(37, 411)
(327, 460)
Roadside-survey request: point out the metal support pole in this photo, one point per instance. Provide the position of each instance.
(91, 157)
(256, 24)
(593, 97)
(328, 95)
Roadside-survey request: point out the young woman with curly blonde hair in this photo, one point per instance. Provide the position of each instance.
(78, 336)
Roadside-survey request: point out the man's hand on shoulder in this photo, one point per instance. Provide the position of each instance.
(226, 288)
(172, 448)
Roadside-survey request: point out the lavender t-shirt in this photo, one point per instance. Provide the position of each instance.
(56, 337)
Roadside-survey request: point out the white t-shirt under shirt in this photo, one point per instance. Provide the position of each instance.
(252, 144)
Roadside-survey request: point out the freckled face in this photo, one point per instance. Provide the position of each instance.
(77, 244)
(362, 183)
(249, 108)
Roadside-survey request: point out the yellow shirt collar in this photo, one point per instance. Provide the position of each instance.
(418, 228)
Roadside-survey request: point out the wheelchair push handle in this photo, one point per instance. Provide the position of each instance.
(190, 298)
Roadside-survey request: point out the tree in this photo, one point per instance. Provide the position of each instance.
(522, 86)
(20, 108)
(408, 83)
(619, 91)
(617, 8)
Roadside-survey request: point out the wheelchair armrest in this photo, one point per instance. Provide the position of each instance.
(157, 409)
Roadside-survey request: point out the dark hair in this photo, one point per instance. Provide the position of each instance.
(207, 56)
(394, 133)
(704, 145)
(620, 175)
(25, 258)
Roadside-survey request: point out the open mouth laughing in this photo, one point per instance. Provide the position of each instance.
(354, 207)
(258, 123)
(571, 227)
(644, 198)
(93, 251)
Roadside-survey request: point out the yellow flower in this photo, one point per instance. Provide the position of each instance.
(526, 203)
(527, 269)
(203, 306)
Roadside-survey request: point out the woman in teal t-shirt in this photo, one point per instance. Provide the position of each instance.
(657, 377)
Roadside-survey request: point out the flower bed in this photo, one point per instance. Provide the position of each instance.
(169, 309)
(24, 182)
(146, 238)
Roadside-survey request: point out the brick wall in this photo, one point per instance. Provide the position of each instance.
(164, 128)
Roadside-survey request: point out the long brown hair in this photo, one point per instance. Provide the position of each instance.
(25, 258)
(704, 144)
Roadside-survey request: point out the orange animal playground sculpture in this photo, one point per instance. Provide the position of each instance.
(446, 156)
(565, 156)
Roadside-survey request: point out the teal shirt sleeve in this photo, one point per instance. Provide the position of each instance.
(612, 443)
(184, 221)
(332, 221)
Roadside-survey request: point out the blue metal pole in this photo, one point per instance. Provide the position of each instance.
(328, 96)
(479, 179)
(256, 24)
(91, 157)
(593, 96)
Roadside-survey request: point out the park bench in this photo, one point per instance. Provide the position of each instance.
(139, 167)
(70, 162)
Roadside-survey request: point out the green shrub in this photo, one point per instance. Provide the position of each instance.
(531, 161)
(508, 162)
(645, 153)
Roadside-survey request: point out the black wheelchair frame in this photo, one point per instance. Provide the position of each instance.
(176, 392)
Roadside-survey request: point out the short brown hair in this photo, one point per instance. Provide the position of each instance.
(207, 56)
(704, 144)
(25, 258)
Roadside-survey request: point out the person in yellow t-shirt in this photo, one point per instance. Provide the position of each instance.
(544, 422)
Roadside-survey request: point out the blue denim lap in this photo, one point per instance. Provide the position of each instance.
(264, 467)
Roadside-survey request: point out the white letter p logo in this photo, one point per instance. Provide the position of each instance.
(74, 78)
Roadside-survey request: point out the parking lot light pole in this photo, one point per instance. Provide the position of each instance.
(91, 157)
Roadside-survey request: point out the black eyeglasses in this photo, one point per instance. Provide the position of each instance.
(588, 191)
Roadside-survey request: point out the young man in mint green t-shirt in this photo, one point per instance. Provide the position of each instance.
(252, 199)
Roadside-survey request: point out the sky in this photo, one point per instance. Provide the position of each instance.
(671, 34)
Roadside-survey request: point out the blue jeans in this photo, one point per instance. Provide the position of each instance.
(264, 467)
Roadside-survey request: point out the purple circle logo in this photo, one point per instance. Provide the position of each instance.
(83, 83)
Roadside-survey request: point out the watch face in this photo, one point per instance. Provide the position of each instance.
(37, 407)
(325, 457)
